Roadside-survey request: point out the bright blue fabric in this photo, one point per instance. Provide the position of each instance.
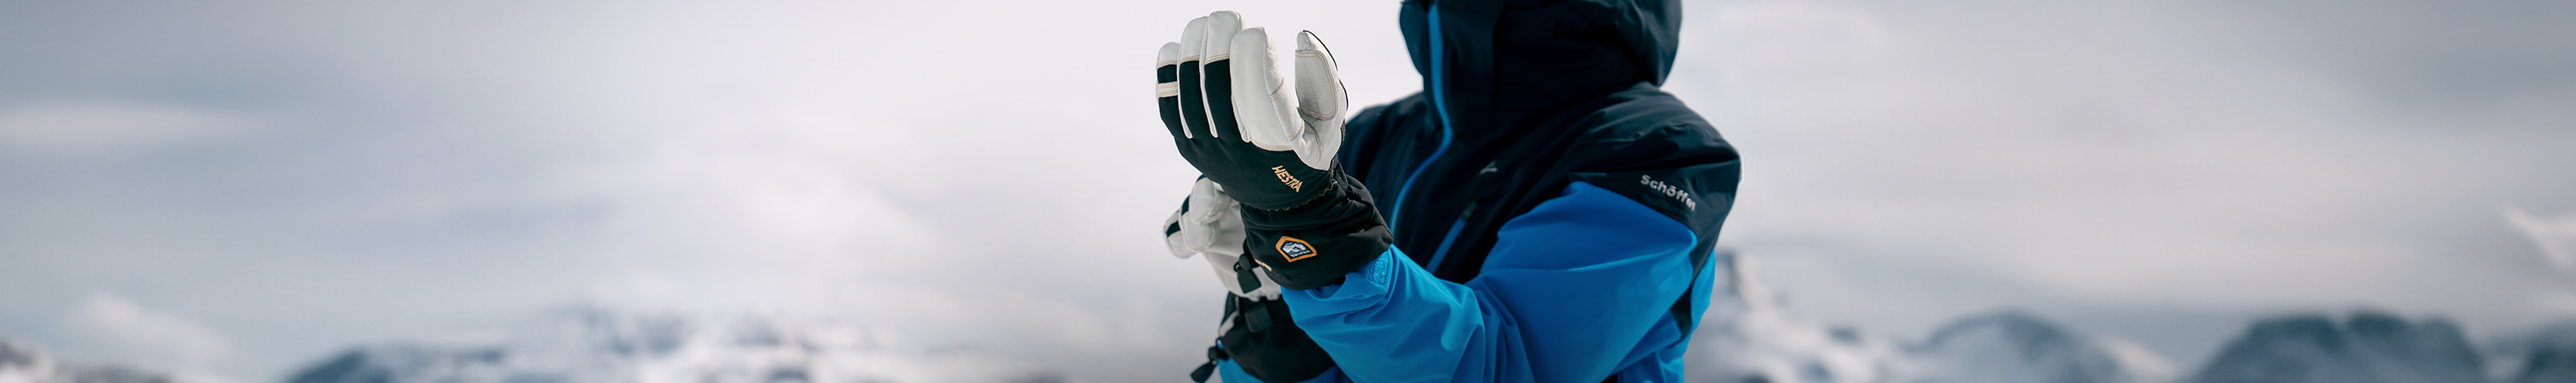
(1577, 289)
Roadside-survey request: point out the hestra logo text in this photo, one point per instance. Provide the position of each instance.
(1293, 184)
(1295, 249)
(1669, 191)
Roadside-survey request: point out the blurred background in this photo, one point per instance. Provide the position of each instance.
(807, 190)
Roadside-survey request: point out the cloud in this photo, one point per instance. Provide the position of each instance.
(2143, 152)
(2556, 236)
(108, 125)
(1914, 162)
(143, 331)
(999, 179)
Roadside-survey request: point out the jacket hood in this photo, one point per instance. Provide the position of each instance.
(1528, 54)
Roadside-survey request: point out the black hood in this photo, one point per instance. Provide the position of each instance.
(1534, 54)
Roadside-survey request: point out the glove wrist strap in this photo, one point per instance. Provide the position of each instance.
(1313, 244)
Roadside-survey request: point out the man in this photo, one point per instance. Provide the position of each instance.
(1540, 212)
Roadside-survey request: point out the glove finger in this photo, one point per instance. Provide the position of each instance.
(1321, 102)
(1167, 87)
(1263, 105)
(1211, 225)
(1193, 109)
(1172, 238)
(1198, 225)
(1208, 203)
(1213, 68)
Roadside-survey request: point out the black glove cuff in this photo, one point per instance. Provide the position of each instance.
(1312, 245)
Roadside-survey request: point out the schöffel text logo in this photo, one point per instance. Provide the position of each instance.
(1669, 191)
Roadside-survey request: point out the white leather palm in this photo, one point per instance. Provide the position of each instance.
(1306, 118)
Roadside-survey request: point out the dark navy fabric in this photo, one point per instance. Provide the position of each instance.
(1553, 209)
(1531, 95)
(1229, 371)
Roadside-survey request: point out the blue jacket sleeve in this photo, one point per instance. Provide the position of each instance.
(1567, 293)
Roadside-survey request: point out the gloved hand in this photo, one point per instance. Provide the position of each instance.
(1225, 105)
(1210, 225)
(1233, 118)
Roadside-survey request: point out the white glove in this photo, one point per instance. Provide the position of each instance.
(1210, 225)
(1233, 117)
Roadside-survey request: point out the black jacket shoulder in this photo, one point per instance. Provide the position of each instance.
(1649, 146)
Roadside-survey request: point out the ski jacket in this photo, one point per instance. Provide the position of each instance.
(1553, 209)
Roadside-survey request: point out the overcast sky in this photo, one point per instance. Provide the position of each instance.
(237, 188)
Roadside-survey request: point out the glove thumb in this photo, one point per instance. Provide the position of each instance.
(1321, 101)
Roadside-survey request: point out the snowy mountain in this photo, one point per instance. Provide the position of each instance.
(2544, 355)
(600, 345)
(1747, 337)
(2551, 363)
(2364, 348)
(23, 363)
(2013, 346)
